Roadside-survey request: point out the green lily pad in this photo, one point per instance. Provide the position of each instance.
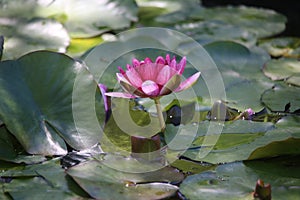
(2, 195)
(282, 46)
(37, 103)
(237, 180)
(22, 36)
(32, 182)
(261, 22)
(243, 140)
(34, 189)
(162, 12)
(102, 16)
(236, 141)
(241, 72)
(209, 31)
(180, 11)
(190, 167)
(99, 178)
(286, 69)
(80, 45)
(80, 18)
(282, 98)
(8, 146)
(286, 139)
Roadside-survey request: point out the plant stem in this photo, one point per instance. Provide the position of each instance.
(160, 114)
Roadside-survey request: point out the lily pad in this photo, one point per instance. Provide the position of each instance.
(162, 12)
(285, 139)
(209, 31)
(99, 178)
(261, 22)
(236, 142)
(259, 140)
(32, 182)
(282, 46)
(237, 180)
(22, 36)
(8, 149)
(12, 151)
(102, 16)
(37, 102)
(241, 71)
(80, 18)
(286, 69)
(282, 98)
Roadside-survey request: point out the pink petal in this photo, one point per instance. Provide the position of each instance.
(103, 90)
(128, 67)
(148, 60)
(171, 85)
(121, 70)
(167, 59)
(150, 88)
(135, 62)
(121, 77)
(173, 64)
(164, 75)
(181, 65)
(134, 77)
(188, 82)
(131, 89)
(160, 60)
(120, 94)
(148, 71)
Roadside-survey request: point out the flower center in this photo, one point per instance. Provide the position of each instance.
(150, 88)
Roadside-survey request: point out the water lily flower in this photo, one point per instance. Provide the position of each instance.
(153, 79)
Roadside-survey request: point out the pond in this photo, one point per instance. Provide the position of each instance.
(145, 99)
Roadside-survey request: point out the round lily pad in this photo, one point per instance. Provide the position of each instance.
(287, 69)
(282, 98)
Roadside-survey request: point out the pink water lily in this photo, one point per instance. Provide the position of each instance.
(153, 79)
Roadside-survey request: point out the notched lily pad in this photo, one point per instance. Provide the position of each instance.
(282, 98)
(37, 102)
(287, 69)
